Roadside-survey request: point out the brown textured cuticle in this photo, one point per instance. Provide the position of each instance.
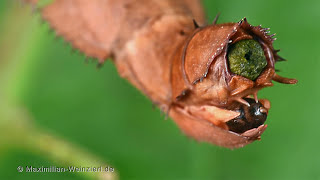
(164, 50)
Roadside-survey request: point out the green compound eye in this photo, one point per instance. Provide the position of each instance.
(246, 58)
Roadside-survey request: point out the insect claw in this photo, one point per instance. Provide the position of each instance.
(196, 25)
(276, 50)
(265, 103)
(263, 110)
(242, 101)
(216, 19)
(259, 138)
(255, 96)
(279, 58)
(272, 35)
(284, 80)
(240, 22)
(166, 113)
(182, 94)
(164, 109)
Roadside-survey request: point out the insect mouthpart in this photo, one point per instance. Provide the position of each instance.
(250, 116)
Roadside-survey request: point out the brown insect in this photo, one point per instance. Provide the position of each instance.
(202, 76)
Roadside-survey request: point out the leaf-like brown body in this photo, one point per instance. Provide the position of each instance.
(179, 66)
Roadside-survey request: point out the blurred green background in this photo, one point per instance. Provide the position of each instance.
(105, 116)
